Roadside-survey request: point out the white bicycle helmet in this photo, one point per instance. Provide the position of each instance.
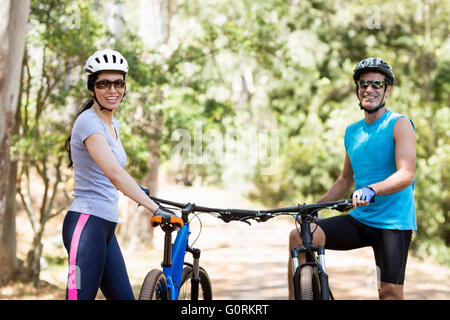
(106, 60)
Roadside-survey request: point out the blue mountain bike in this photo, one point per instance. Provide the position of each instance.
(179, 280)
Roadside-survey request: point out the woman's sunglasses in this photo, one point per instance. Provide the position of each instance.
(375, 84)
(106, 84)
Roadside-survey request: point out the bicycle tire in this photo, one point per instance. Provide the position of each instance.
(205, 287)
(306, 283)
(154, 286)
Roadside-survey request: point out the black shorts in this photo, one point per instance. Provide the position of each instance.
(390, 247)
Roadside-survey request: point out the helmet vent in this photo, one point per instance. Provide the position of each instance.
(106, 60)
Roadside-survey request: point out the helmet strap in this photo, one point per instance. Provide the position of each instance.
(102, 107)
(98, 102)
(381, 105)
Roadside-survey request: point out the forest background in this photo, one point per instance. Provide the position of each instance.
(247, 95)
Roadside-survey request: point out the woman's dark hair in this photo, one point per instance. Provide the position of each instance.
(85, 106)
(90, 85)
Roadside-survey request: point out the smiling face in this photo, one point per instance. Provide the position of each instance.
(111, 97)
(370, 98)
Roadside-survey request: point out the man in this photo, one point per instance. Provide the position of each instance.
(380, 162)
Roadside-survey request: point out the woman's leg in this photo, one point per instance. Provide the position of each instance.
(85, 239)
(115, 283)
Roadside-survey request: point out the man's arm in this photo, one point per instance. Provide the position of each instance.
(405, 158)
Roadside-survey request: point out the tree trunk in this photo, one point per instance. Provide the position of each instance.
(13, 26)
(8, 242)
(151, 178)
(154, 26)
(33, 263)
(154, 21)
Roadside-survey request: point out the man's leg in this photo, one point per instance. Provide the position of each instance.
(390, 291)
(342, 233)
(391, 254)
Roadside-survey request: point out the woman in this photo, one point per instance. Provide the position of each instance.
(96, 153)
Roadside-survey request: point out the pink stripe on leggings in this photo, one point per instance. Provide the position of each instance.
(74, 271)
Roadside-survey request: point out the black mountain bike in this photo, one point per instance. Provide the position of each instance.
(310, 278)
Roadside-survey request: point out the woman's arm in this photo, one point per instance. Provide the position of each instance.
(101, 153)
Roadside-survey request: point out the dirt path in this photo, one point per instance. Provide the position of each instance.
(249, 262)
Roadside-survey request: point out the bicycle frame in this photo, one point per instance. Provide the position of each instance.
(174, 260)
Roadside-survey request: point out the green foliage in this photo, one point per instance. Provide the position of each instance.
(319, 89)
(248, 64)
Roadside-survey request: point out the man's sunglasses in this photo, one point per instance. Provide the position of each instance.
(106, 84)
(375, 84)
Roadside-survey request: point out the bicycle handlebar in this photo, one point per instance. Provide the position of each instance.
(243, 215)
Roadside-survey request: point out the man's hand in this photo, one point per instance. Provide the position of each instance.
(363, 197)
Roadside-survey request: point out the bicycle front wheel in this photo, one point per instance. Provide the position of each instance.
(204, 287)
(154, 286)
(306, 283)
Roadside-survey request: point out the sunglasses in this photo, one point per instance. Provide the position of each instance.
(375, 84)
(106, 84)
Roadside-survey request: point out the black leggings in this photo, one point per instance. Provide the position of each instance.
(390, 247)
(95, 259)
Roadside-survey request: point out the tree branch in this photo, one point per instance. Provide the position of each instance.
(28, 205)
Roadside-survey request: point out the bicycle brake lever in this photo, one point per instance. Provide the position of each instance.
(263, 218)
(245, 219)
(147, 192)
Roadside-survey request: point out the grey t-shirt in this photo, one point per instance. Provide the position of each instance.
(94, 193)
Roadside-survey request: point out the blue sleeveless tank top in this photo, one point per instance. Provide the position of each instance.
(371, 150)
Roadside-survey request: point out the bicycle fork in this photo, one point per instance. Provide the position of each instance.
(195, 280)
(309, 249)
(296, 251)
(323, 276)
